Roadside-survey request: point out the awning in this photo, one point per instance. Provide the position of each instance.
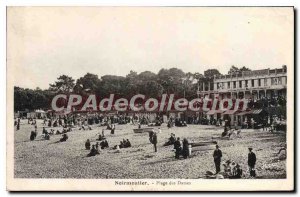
(39, 111)
(230, 112)
(244, 113)
(212, 112)
(257, 111)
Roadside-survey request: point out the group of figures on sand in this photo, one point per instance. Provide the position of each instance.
(232, 169)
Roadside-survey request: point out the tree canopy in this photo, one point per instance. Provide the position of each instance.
(235, 70)
(168, 81)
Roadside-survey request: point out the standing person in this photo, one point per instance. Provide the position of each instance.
(87, 144)
(154, 141)
(217, 158)
(251, 162)
(177, 147)
(112, 129)
(185, 148)
(151, 133)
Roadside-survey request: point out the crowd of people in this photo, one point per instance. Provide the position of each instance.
(182, 148)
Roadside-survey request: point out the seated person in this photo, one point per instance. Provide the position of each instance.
(64, 138)
(93, 152)
(32, 135)
(171, 141)
(87, 144)
(127, 144)
(47, 136)
(121, 144)
(100, 137)
(58, 132)
(237, 172)
(104, 144)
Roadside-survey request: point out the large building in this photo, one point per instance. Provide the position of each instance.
(254, 85)
(248, 84)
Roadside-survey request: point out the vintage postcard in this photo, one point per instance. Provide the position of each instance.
(150, 98)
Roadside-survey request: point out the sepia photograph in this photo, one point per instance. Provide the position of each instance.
(150, 98)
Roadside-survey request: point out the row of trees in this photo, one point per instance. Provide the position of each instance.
(148, 83)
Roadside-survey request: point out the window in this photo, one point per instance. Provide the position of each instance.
(283, 80)
(252, 83)
(273, 81)
(266, 82)
(228, 85)
(211, 85)
(276, 81)
(234, 84)
(279, 80)
(259, 82)
(220, 86)
(240, 84)
(246, 83)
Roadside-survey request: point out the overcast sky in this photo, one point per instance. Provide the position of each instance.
(45, 42)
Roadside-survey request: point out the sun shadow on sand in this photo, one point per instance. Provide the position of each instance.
(30, 141)
(56, 142)
(165, 160)
(23, 141)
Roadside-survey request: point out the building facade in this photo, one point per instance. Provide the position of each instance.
(254, 85)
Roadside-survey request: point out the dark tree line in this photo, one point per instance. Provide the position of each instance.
(167, 81)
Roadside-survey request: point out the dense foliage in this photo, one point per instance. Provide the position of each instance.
(148, 83)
